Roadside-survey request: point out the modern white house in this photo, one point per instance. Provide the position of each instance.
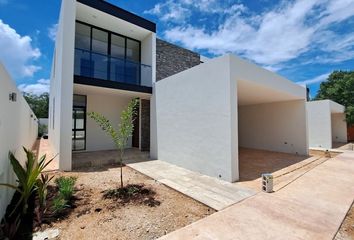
(194, 112)
(104, 57)
(326, 123)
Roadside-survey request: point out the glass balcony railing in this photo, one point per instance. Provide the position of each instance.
(95, 65)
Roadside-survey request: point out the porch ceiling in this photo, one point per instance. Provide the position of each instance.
(87, 89)
(249, 93)
(98, 18)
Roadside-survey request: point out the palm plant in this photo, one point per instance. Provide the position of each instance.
(121, 135)
(27, 176)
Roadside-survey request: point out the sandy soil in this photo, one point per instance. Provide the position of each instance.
(346, 232)
(130, 221)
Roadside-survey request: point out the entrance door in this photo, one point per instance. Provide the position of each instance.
(79, 123)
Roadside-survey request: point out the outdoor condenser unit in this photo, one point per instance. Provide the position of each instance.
(267, 182)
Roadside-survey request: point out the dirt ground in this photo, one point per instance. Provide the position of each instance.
(98, 218)
(346, 231)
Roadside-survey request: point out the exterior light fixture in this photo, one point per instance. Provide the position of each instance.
(13, 97)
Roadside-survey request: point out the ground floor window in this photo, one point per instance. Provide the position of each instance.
(79, 123)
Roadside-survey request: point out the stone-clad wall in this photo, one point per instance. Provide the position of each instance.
(145, 125)
(171, 59)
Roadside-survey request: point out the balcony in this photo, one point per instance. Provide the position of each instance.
(99, 67)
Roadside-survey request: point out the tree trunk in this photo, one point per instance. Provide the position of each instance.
(121, 168)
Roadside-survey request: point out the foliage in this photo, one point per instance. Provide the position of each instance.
(66, 187)
(125, 129)
(42, 191)
(340, 88)
(39, 104)
(27, 176)
(59, 204)
(42, 129)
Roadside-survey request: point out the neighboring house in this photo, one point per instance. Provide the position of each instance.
(194, 112)
(326, 123)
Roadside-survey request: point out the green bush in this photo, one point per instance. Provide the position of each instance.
(59, 204)
(66, 187)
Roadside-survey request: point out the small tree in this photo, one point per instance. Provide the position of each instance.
(123, 133)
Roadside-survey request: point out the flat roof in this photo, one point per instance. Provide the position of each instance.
(121, 13)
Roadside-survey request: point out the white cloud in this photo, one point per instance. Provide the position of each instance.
(180, 10)
(169, 11)
(42, 86)
(17, 52)
(273, 37)
(52, 31)
(317, 79)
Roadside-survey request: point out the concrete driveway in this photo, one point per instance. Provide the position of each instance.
(311, 207)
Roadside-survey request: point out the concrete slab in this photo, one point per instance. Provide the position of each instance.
(214, 193)
(311, 207)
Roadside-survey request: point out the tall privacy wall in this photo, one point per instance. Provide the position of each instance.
(18, 127)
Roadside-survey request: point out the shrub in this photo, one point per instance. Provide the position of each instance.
(59, 204)
(66, 187)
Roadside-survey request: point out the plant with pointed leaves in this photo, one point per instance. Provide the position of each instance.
(123, 133)
(27, 176)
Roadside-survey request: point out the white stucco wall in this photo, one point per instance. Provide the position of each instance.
(319, 124)
(196, 128)
(325, 123)
(111, 107)
(277, 127)
(61, 89)
(339, 127)
(18, 127)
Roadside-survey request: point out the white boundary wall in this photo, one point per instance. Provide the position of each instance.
(326, 123)
(18, 127)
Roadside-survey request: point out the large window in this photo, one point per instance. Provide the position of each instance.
(79, 123)
(106, 55)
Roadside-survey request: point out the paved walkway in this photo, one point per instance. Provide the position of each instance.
(212, 192)
(311, 207)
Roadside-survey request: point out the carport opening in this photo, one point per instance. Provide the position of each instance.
(271, 130)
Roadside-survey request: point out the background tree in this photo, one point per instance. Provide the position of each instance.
(123, 133)
(39, 104)
(339, 87)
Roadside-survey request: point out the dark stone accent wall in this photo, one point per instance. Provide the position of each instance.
(145, 125)
(172, 59)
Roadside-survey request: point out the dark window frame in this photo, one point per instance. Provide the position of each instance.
(85, 125)
(110, 33)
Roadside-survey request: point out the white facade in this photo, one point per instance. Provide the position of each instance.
(104, 100)
(18, 128)
(326, 123)
(205, 113)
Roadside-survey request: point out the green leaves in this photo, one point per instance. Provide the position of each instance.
(27, 176)
(39, 104)
(125, 129)
(340, 88)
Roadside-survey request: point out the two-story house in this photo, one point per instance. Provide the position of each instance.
(194, 115)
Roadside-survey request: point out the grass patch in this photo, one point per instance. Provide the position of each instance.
(66, 187)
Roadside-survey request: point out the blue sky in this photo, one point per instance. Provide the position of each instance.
(303, 40)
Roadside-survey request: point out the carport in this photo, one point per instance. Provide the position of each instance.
(204, 114)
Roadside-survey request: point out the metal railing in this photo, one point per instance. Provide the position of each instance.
(105, 67)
